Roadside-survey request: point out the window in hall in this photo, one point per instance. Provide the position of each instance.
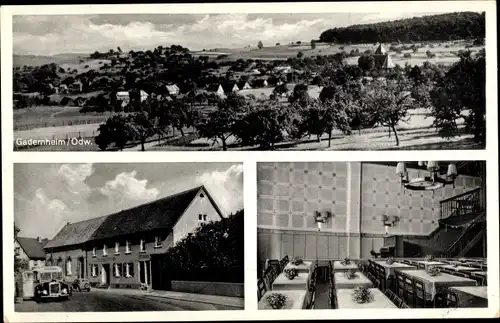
(104, 250)
(143, 245)
(117, 248)
(117, 269)
(129, 270)
(127, 246)
(94, 252)
(157, 242)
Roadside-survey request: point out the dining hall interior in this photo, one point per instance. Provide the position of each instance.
(347, 235)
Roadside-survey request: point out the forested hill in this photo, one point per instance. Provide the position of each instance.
(443, 27)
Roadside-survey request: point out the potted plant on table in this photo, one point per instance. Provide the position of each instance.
(290, 273)
(429, 258)
(390, 260)
(350, 274)
(346, 261)
(432, 271)
(361, 295)
(276, 300)
(297, 261)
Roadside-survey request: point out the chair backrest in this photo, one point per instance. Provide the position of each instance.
(261, 287)
(440, 299)
(388, 293)
(421, 266)
(286, 258)
(376, 284)
(397, 301)
(451, 299)
(409, 283)
(457, 273)
(419, 287)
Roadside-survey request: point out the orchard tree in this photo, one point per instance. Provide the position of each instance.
(116, 130)
(260, 45)
(220, 124)
(461, 93)
(366, 62)
(142, 127)
(389, 104)
(313, 44)
(300, 94)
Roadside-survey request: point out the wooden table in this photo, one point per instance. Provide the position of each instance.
(300, 282)
(432, 283)
(431, 263)
(305, 267)
(471, 296)
(390, 269)
(337, 266)
(379, 300)
(459, 268)
(296, 299)
(341, 282)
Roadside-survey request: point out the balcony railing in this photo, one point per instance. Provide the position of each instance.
(462, 204)
(464, 239)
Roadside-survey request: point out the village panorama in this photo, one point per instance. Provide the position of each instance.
(410, 83)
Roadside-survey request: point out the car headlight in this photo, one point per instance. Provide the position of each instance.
(44, 292)
(64, 291)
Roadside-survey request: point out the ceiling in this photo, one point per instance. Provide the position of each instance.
(468, 167)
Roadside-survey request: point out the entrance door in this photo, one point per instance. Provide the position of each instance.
(105, 279)
(28, 284)
(81, 268)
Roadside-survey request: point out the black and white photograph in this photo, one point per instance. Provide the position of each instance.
(110, 237)
(367, 235)
(249, 81)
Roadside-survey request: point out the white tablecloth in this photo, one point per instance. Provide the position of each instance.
(337, 266)
(480, 274)
(300, 282)
(389, 269)
(305, 267)
(459, 268)
(432, 283)
(296, 299)
(342, 282)
(431, 263)
(379, 300)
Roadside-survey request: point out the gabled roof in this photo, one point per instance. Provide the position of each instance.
(380, 50)
(160, 214)
(172, 88)
(75, 233)
(230, 86)
(32, 248)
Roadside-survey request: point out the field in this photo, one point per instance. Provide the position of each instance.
(444, 55)
(48, 117)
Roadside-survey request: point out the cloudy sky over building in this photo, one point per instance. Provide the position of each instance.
(48, 35)
(46, 196)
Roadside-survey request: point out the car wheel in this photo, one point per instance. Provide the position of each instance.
(87, 287)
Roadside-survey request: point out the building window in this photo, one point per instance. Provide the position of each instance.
(129, 270)
(142, 245)
(204, 217)
(104, 250)
(94, 270)
(200, 217)
(157, 242)
(18, 251)
(117, 248)
(118, 270)
(127, 246)
(68, 267)
(94, 252)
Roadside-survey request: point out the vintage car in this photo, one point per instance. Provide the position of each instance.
(81, 284)
(45, 283)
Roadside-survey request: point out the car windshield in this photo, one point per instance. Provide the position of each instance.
(45, 276)
(57, 276)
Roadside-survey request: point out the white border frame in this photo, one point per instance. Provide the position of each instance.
(250, 158)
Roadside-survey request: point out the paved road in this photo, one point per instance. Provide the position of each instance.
(101, 301)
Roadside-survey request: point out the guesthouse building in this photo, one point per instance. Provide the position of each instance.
(117, 248)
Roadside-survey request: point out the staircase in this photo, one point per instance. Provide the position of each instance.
(462, 225)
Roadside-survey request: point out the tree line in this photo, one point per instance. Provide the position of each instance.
(443, 27)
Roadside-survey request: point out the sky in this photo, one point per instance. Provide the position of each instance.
(50, 35)
(47, 196)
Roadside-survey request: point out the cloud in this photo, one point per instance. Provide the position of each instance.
(226, 187)
(74, 175)
(44, 35)
(126, 189)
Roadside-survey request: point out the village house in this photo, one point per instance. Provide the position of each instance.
(243, 85)
(230, 86)
(144, 95)
(257, 83)
(216, 89)
(123, 97)
(115, 250)
(31, 251)
(173, 89)
(63, 89)
(76, 87)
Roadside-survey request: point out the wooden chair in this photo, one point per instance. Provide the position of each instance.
(479, 280)
(269, 277)
(376, 284)
(261, 288)
(398, 301)
(400, 284)
(440, 299)
(464, 275)
(388, 293)
(409, 290)
(421, 266)
(286, 259)
(451, 299)
(404, 305)
(421, 294)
